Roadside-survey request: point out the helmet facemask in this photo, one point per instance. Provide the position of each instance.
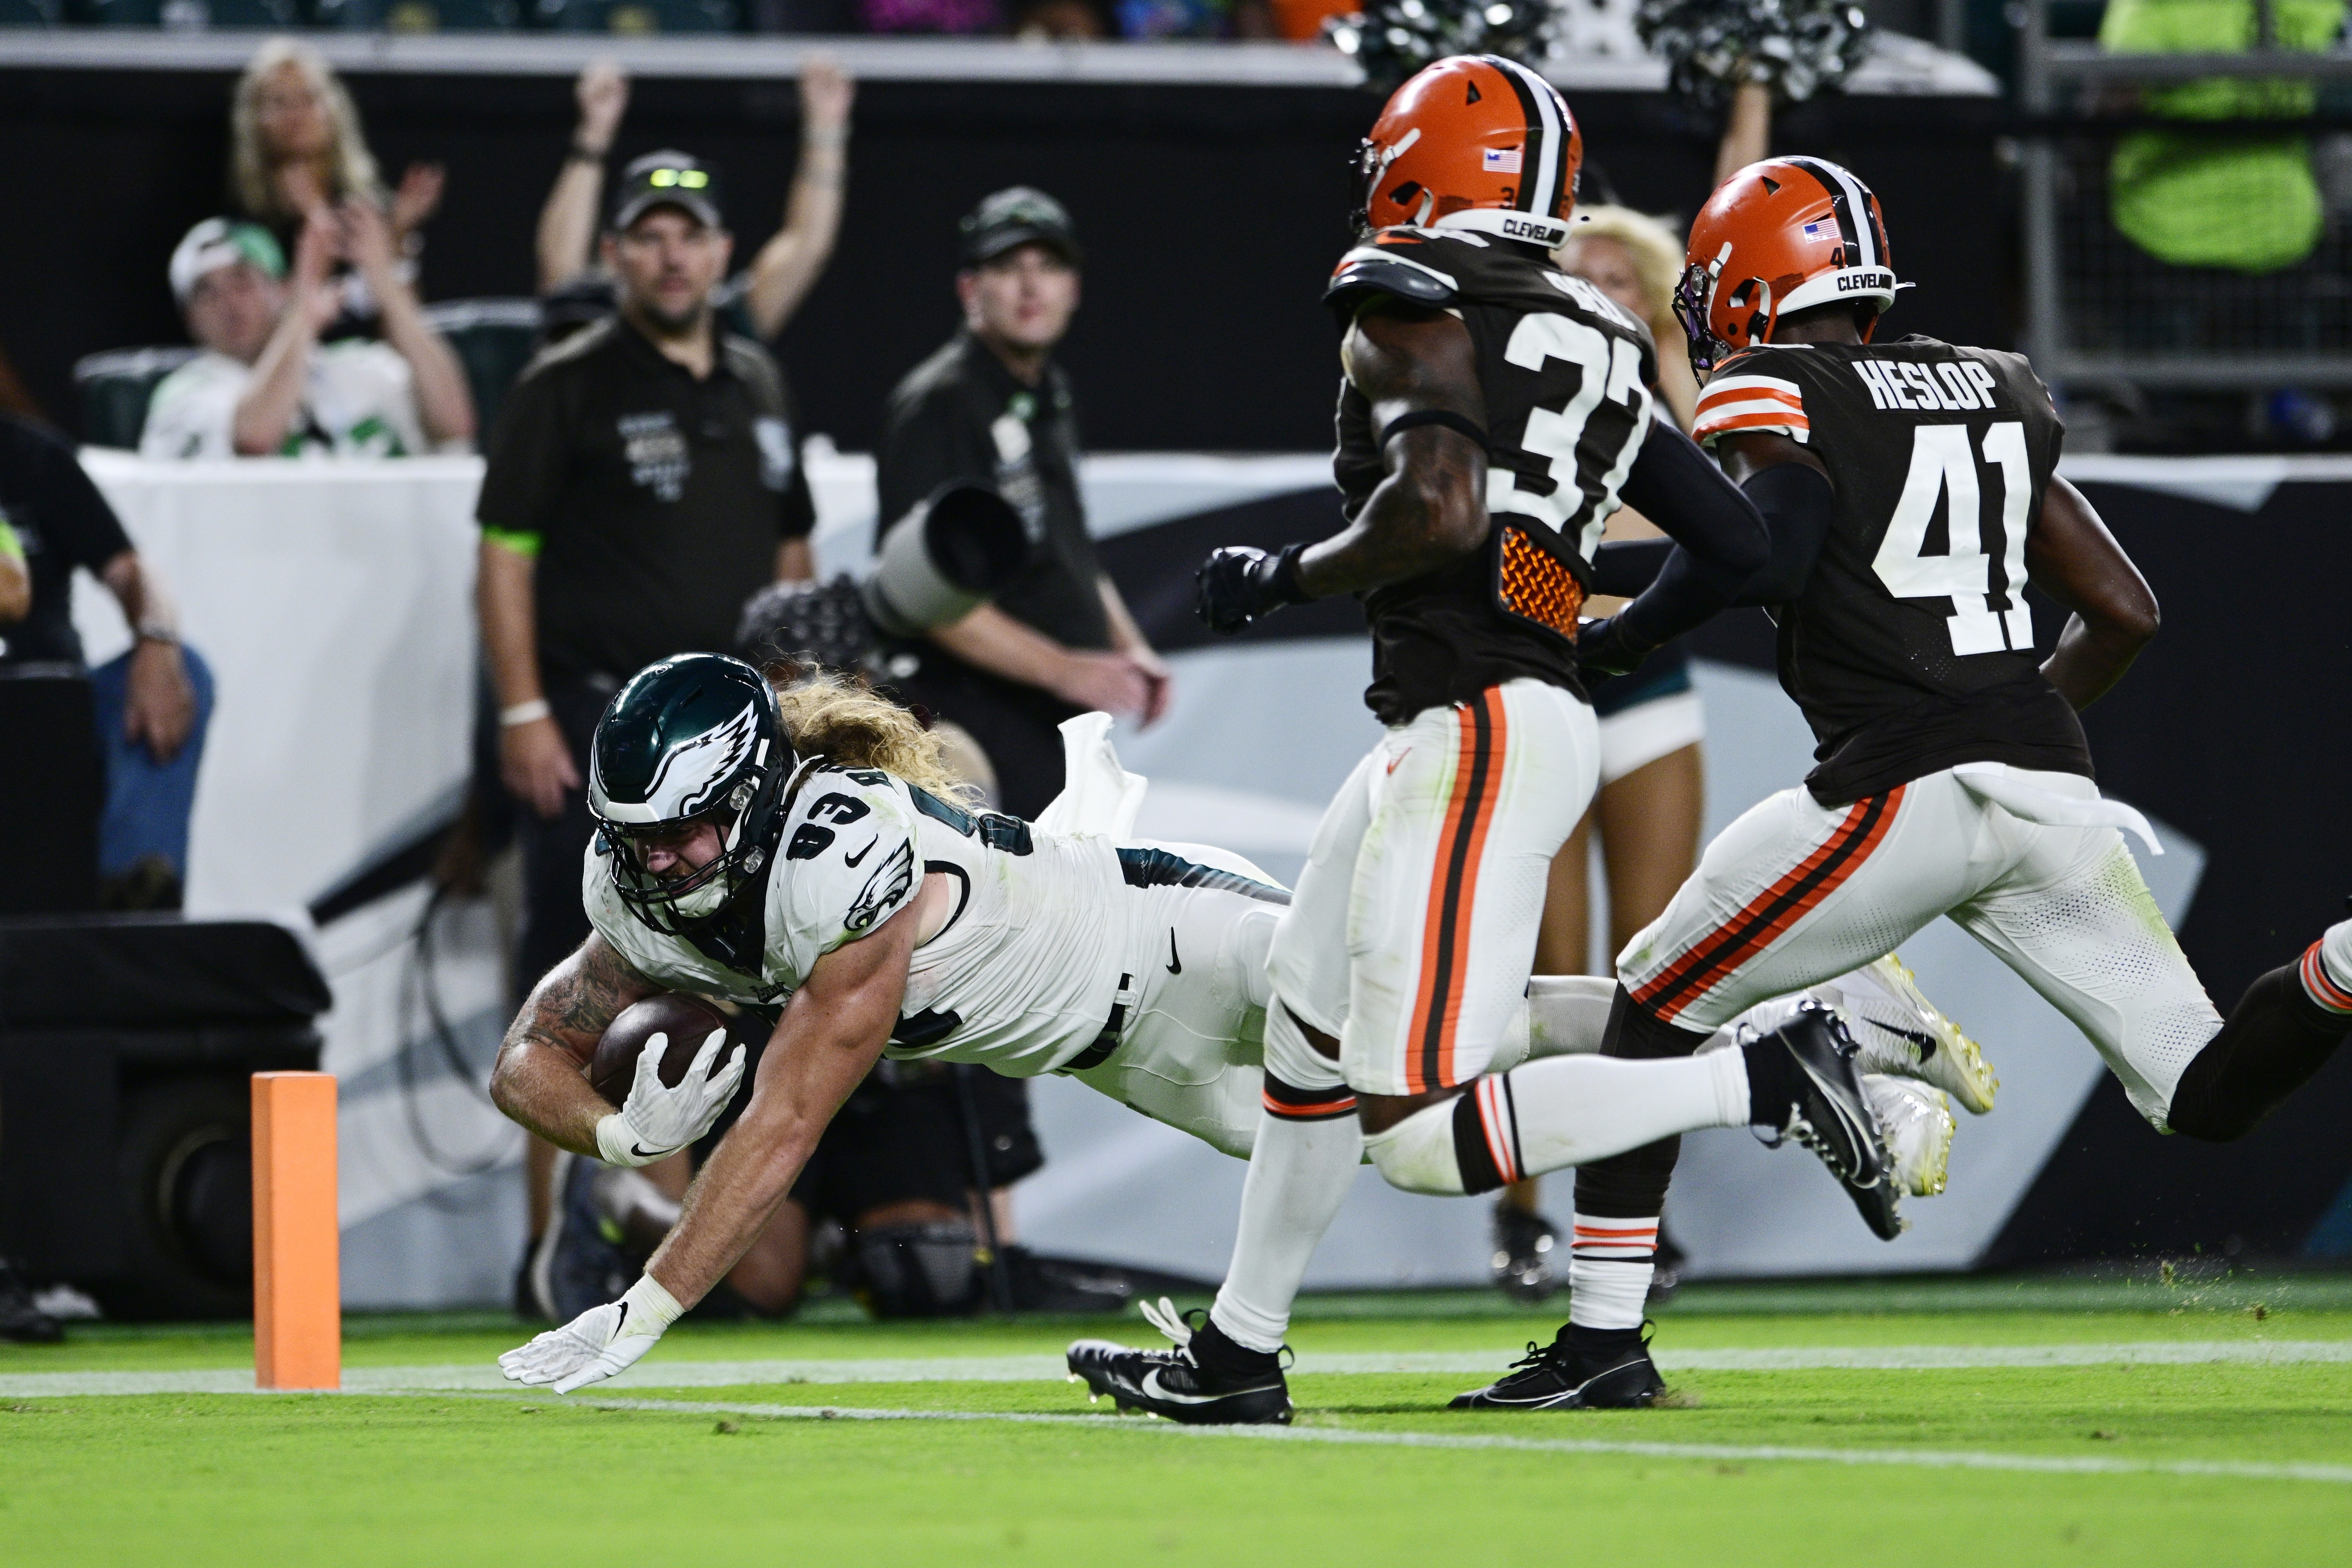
(677, 902)
(688, 742)
(1694, 300)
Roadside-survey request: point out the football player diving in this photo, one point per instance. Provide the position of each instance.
(805, 849)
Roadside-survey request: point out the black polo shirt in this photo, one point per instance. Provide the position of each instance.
(653, 502)
(960, 414)
(62, 522)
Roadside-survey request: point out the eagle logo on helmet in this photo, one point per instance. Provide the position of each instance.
(1477, 142)
(694, 737)
(1780, 236)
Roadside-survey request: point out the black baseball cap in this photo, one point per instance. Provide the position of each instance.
(1019, 215)
(667, 178)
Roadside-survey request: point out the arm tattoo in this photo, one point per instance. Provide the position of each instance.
(571, 1008)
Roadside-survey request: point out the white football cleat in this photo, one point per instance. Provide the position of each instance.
(1905, 1035)
(1917, 1122)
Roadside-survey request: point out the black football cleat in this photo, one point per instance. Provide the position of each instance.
(1579, 1370)
(1206, 1380)
(1803, 1086)
(1524, 1240)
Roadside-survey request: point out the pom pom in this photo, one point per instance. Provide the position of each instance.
(1798, 48)
(1391, 40)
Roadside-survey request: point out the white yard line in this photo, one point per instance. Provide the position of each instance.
(664, 1373)
(1924, 1459)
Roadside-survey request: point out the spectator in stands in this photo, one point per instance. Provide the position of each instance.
(297, 151)
(152, 702)
(991, 406)
(267, 386)
(761, 298)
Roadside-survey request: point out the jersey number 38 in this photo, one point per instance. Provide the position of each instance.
(1943, 465)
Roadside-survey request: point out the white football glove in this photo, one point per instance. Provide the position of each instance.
(656, 1121)
(598, 1344)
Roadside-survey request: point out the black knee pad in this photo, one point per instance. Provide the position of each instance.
(929, 1270)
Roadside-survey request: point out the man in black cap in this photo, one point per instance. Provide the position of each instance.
(993, 407)
(644, 480)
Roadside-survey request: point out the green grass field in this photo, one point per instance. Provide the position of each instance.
(1973, 1422)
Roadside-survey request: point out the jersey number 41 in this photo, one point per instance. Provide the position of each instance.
(1944, 466)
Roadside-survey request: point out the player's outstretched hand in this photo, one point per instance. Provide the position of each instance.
(599, 1343)
(1237, 585)
(658, 1121)
(1606, 648)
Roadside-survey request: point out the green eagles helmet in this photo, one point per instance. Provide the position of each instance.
(696, 736)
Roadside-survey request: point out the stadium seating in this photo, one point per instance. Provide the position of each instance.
(115, 387)
(494, 340)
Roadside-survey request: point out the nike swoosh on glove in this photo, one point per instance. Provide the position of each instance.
(658, 1121)
(599, 1343)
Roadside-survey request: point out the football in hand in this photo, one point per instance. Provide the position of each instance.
(686, 1020)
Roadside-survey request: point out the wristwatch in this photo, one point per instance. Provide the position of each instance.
(162, 631)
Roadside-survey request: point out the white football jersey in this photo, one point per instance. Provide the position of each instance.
(1038, 946)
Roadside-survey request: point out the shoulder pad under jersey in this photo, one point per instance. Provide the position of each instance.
(1760, 390)
(1396, 262)
(846, 861)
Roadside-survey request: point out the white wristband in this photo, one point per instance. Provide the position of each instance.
(525, 713)
(648, 1305)
(616, 1144)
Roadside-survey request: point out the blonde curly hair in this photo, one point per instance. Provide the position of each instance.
(851, 725)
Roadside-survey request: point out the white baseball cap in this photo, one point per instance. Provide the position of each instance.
(221, 242)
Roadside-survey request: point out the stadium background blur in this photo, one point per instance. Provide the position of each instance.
(1208, 173)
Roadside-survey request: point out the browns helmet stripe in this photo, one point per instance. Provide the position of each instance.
(1850, 203)
(1547, 149)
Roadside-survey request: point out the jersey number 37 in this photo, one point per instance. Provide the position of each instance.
(1610, 371)
(1944, 466)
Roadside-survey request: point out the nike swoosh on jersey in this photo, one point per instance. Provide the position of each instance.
(1175, 963)
(853, 860)
(642, 1151)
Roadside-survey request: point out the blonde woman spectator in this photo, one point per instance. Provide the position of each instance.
(297, 149)
(1635, 260)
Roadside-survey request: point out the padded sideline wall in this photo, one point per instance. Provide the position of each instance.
(1210, 215)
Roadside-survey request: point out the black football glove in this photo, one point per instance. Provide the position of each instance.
(1237, 585)
(1608, 647)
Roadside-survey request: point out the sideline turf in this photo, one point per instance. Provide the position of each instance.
(530, 1480)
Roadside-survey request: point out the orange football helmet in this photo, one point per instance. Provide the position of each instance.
(1784, 235)
(1474, 142)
